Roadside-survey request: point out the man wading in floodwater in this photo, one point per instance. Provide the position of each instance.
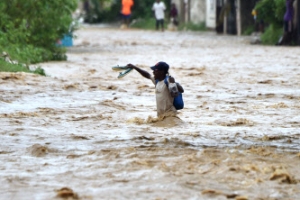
(164, 99)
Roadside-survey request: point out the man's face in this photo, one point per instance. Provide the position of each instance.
(158, 74)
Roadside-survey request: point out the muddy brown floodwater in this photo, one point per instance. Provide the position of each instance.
(82, 133)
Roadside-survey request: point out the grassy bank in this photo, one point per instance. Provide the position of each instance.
(10, 67)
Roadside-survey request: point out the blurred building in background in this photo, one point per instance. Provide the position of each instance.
(223, 15)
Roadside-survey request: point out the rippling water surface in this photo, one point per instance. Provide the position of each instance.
(82, 133)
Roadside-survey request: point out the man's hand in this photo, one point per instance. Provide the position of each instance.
(131, 66)
(141, 71)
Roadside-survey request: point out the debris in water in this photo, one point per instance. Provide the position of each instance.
(66, 192)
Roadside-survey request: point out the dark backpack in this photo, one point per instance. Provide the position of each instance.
(178, 100)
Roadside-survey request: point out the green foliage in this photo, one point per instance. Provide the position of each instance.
(271, 34)
(27, 54)
(29, 29)
(192, 27)
(148, 24)
(39, 23)
(39, 71)
(107, 14)
(272, 12)
(249, 30)
(8, 67)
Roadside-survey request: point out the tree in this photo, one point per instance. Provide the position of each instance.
(271, 12)
(34, 26)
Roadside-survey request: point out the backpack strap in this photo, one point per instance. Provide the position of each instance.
(166, 81)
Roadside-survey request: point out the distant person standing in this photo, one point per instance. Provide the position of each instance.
(259, 25)
(174, 14)
(86, 6)
(254, 14)
(159, 11)
(126, 12)
(288, 23)
(87, 11)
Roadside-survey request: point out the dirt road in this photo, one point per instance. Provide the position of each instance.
(84, 129)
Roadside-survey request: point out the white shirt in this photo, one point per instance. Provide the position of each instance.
(159, 9)
(164, 101)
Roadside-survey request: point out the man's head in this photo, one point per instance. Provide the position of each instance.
(160, 70)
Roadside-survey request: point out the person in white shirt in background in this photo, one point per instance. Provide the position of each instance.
(159, 10)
